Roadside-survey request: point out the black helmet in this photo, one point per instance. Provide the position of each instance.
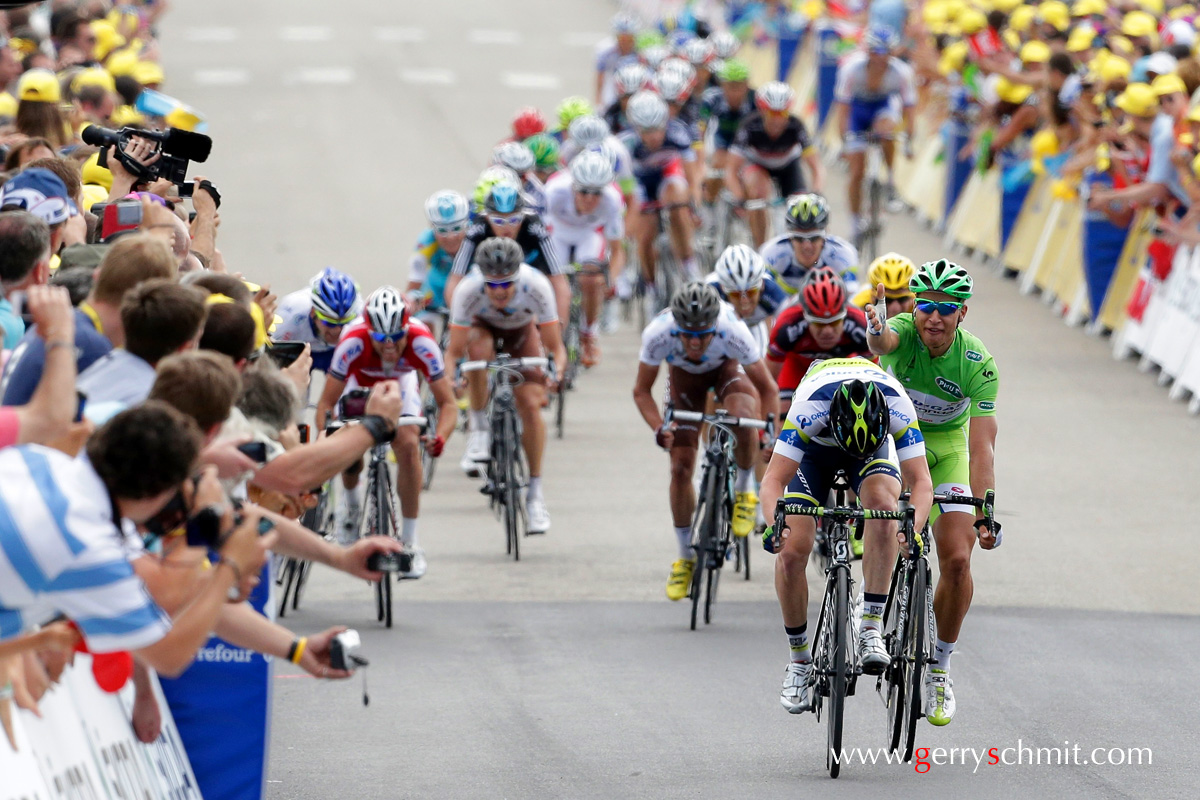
(807, 212)
(858, 418)
(696, 306)
(499, 258)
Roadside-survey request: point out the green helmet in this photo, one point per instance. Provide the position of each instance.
(858, 418)
(489, 178)
(942, 276)
(733, 69)
(545, 150)
(571, 108)
(649, 39)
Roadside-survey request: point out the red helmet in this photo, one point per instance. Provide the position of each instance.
(527, 122)
(823, 296)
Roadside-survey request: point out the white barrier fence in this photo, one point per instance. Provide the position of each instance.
(83, 746)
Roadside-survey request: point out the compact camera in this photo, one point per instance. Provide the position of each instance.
(344, 649)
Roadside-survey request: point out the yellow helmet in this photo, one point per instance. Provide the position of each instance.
(894, 271)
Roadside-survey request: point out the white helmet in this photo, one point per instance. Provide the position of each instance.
(631, 78)
(591, 170)
(725, 44)
(625, 22)
(740, 269)
(674, 84)
(698, 52)
(775, 96)
(646, 110)
(609, 151)
(386, 311)
(446, 208)
(514, 155)
(654, 55)
(588, 130)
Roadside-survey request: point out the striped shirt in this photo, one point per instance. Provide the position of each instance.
(62, 553)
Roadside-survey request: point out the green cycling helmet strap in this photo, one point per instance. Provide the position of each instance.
(942, 276)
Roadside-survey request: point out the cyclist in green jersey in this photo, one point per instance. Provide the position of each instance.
(952, 381)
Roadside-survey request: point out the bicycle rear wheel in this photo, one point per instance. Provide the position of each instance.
(838, 667)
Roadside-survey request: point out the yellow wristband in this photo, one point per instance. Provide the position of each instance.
(300, 645)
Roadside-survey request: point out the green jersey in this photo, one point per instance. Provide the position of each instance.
(950, 389)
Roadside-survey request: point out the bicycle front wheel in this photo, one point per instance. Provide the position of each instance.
(512, 487)
(895, 621)
(916, 653)
(838, 667)
(701, 538)
(428, 462)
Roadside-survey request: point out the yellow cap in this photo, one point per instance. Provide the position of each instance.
(1055, 13)
(93, 76)
(184, 118)
(971, 20)
(1139, 24)
(260, 328)
(1138, 100)
(1081, 38)
(107, 38)
(23, 46)
(1114, 68)
(1044, 143)
(94, 174)
(1120, 45)
(126, 115)
(125, 20)
(122, 62)
(1185, 10)
(935, 14)
(953, 58)
(1085, 8)
(1155, 7)
(1035, 53)
(1196, 166)
(1006, 6)
(8, 105)
(1020, 19)
(954, 8)
(1168, 84)
(1011, 38)
(39, 85)
(1193, 114)
(92, 194)
(1011, 92)
(147, 73)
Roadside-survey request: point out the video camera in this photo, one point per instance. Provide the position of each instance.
(175, 147)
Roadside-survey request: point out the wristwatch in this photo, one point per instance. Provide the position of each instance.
(378, 427)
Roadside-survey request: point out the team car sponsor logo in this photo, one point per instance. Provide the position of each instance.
(948, 386)
(974, 355)
(986, 405)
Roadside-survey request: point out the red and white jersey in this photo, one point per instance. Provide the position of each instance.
(356, 358)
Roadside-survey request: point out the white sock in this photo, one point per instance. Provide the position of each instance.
(478, 420)
(941, 655)
(872, 615)
(535, 488)
(588, 328)
(408, 531)
(744, 482)
(684, 535)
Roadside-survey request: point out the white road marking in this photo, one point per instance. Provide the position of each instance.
(210, 35)
(325, 76)
(400, 34)
(312, 33)
(440, 76)
(488, 36)
(530, 80)
(582, 39)
(221, 77)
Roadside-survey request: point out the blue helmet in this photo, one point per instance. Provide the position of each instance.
(879, 40)
(504, 198)
(446, 208)
(334, 295)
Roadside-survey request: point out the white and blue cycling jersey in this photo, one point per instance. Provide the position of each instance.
(837, 253)
(896, 91)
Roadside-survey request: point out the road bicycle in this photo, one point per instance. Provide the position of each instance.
(507, 473)
(712, 523)
(877, 195)
(835, 660)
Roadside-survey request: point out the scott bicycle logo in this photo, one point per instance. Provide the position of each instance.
(948, 386)
(974, 355)
(840, 550)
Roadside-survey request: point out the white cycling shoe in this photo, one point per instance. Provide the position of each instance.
(417, 565)
(871, 652)
(479, 447)
(939, 697)
(539, 517)
(795, 696)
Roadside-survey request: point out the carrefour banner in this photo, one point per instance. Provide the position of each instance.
(222, 708)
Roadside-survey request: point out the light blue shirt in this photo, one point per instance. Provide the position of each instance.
(14, 326)
(1161, 170)
(116, 381)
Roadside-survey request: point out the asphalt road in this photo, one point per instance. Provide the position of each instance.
(569, 674)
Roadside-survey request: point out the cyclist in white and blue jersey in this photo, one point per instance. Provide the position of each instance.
(875, 93)
(317, 315)
(740, 277)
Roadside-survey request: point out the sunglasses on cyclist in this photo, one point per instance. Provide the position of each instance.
(588, 192)
(500, 284)
(686, 334)
(944, 309)
(329, 322)
(514, 220)
(388, 338)
(808, 236)
(749, 294)
(447, 230)
(773, 114)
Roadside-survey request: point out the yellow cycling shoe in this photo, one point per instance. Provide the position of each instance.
(681, 578)
(744, 517)
(856, 546)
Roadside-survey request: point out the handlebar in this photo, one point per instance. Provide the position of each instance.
(403, 422)
(717, 419)
(838, 514)
(508, 363)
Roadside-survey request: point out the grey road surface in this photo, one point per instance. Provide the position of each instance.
(569, 674)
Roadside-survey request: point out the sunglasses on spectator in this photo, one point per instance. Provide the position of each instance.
(500, 284)
(686, 334)
(809, 236)
(446, 230)
(514, 220)
(388, 338)
(588, 192)
(945, 309)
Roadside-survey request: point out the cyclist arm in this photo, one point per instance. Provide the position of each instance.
(887, 340)
(815, 168)
(562, 295)
(768, 389)
(456, 348)
(329, 396)
(443, 393)
(552, 340)
(981, 445)
(643, 397)
(780, 470)
(841, 112)
(733, 169)
(915, 474)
